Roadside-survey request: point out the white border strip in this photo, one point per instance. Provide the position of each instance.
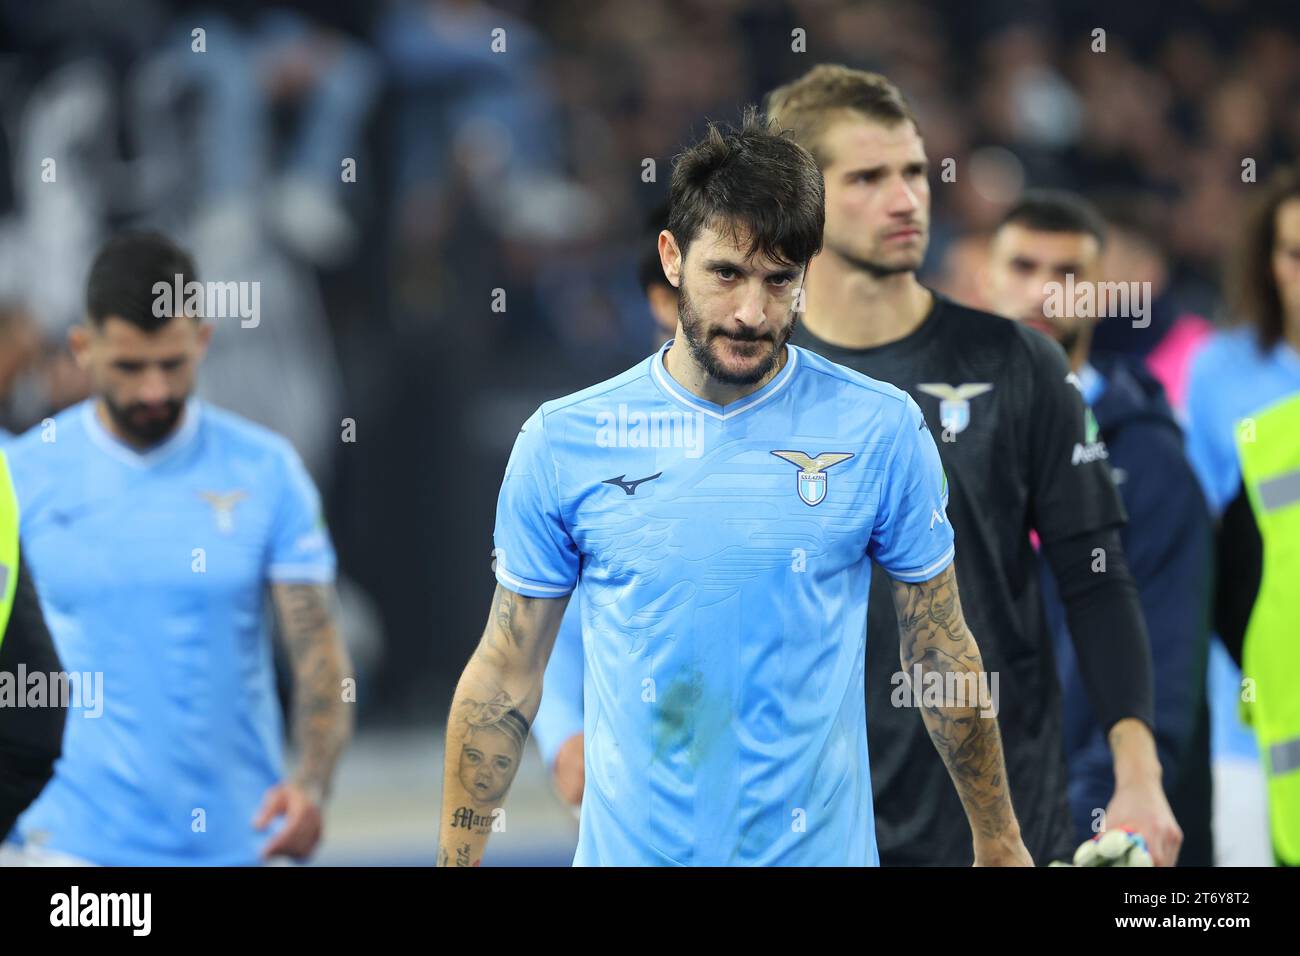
(300, 572)
(670, 385)
(101, 437)
(926, 574)
(515, 582)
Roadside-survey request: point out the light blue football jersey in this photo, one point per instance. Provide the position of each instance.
(152, 570)
(1231, 379)
(724, 555)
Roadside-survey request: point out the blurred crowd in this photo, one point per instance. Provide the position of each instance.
(442, 201)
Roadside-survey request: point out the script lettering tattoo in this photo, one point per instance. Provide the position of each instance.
(933, 634)
(469, 819)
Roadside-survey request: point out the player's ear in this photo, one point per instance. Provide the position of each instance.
(202, 336)
(79, 337)
(670, 257)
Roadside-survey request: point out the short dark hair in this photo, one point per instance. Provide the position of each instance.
(122, 278)
(812, 104)
(650, 270)
(750, 181)
(1254, 294)
(1055, 210)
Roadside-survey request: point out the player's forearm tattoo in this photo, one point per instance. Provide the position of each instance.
(505, 612)
(463, 856)
(322, 720)
(486, 738)
(514, 626)
(492, 711)
(933, 634)
(467, 818)
(491, 748)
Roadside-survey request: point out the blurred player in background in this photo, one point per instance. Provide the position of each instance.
(154, 523)
(558, 727)
(724, 591)
(1257, 363)
(1012, 436)
(1243, 384)
(1048, 238)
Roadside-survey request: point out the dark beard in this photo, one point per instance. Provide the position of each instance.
(144, 433)
(700, 352)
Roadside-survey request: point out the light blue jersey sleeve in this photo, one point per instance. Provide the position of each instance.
(535, 555)
(560, 716)
(912, 539)
(299, 549)
(1211, 439)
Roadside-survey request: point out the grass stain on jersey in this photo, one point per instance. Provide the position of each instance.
(674, 725)
(688, 721)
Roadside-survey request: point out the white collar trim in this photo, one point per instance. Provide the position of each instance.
(669, 384)
(142, 459)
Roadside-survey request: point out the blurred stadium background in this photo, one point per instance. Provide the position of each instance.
(522, 171)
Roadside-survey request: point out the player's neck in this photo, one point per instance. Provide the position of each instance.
(110, 426)
(851, 308)
(1291, 331)
(687, 373)
(1079, 352)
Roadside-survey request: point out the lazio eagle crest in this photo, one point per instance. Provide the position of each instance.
(812, 472)
(223, 507)
(954, 405)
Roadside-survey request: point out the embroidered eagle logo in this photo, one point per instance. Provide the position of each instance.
(223, 506)
(954, 404)
(812, 472)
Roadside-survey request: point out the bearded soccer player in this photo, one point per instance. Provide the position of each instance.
(1011, 434)
(153, 524)
(724, 564)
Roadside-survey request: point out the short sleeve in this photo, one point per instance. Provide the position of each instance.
(1071, 491)
(912, 539)
(534, 554)
(560, 715)
(300, 546)
(1211, 439)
